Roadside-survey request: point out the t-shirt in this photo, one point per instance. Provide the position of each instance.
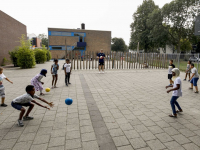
(2, 76)
(194, 70)
(26, 98)
(179, 91)
(101, 55)
(170, 68)
(55, 67)
(68, 67)
(188, 66)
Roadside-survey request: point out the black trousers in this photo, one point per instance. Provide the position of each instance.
(67, 76)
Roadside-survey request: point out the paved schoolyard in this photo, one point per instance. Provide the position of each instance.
(118, 110)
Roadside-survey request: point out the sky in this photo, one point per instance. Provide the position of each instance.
(108, 15)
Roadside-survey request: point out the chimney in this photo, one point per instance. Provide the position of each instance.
(82, 26)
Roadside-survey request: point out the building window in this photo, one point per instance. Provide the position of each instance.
(56, 33)
(56, 48)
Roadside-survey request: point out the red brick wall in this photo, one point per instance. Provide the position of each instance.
(10, 31)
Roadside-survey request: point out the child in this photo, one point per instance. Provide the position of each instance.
(36, 81)
(54, 69)
(177, 92)
(27, 100)
(2, 88)
(171, 66)
(187, 71)
(194, 78)
(67, 70)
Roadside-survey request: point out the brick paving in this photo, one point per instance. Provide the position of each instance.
(117, 110)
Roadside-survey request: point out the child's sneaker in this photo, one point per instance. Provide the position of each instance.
(28, 118)
(184, 80)
(69, 83)
(20, 123)
(4, 105)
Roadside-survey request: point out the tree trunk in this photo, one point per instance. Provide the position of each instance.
(179, 47)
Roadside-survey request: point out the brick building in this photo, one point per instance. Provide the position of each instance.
(78, 40)
(10, 32)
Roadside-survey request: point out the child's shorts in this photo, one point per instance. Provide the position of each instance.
(18, 106)
(2, 92)
(169, 76)
(194, 81)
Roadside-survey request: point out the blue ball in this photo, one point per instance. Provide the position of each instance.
(68, 101)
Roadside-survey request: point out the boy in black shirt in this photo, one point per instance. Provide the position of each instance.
(171, 66)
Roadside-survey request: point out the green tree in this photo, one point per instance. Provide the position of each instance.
(25, 55)
(44, 39)
(185, 45)
(140, 30)
(178, 16)
(118, 44)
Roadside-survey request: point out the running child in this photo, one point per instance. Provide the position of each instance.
(188, 71)
(67, 70)
(36, 81)
(171, 66)
(54, 70)
(194, 78)
(27, 100)
(2, 88)
(177, 92)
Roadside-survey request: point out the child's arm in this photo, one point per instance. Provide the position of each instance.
(65, 70)
(70, 69)
(58, 67)
(40, 104)
(51, 69)
(9, 80)
(43, 100)
(176, 88)
(169, 86)
(192, 76)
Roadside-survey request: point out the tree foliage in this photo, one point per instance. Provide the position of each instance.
(25, 56)
(140, 30)
(155, 27)
(44, 39)
(118, 44)
(179, 16)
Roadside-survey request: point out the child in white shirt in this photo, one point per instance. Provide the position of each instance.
(2, 88)
(67, 70)
(177, 92)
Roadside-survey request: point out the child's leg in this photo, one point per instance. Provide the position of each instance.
(185, 76)
(66, 79)
(53, 79)
(189, 75)
(22, 113)
(172, 102)
(68, 74)
(177, 105)
(56, 78)
(2, 100)
(29, 109)
(99, 67)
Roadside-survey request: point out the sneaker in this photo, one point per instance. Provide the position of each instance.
(4, 105)
(28, 118)
(99, 72)
(66, 84)
(20, 123)
(69, 83)
(103, 72)
(188, 80)
(184, 80)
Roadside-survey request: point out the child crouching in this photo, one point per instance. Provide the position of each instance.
(27, 100)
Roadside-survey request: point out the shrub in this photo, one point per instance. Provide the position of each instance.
(13, 56)
(25, 56)
(40, 55)
(48, 53)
